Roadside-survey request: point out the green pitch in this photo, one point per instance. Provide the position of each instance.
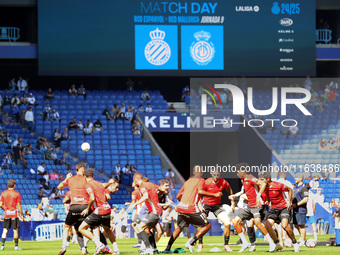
(53, 247)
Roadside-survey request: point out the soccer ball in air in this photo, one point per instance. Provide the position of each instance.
(311, 243)
(85, 146)
(288, 243)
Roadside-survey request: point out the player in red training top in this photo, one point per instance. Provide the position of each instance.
(253, 188)
(188, 210)
(9, 201)
(149, 195)
(279, 209)
(215, 185)
(101, 214)
(79, 201)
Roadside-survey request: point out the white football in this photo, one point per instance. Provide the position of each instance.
(288, 243)
(85, 146)
(311, 243)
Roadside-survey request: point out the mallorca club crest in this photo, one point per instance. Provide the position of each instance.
(202, 51)
(157, 51)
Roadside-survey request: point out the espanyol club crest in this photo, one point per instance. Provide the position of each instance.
(157, 51)
(202, 51)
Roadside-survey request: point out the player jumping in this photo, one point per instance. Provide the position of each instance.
(212, 186)
(188, 211)
(253, 188)
(279, 209)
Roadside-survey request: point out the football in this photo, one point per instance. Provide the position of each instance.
(85, 146)
(311, 243)
(288, 243)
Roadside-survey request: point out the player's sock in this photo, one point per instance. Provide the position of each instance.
(243, 238)
(251, 235)
(171, 241)
(96, 241)
(152, 241)
(315, 236)
(193, 240)
(102, 238)
(277, 241)
(294, 241)
(145, 239)
(3, 240)
(269, 239)
(200, 240)
(16, 241)
(226, 240)
(63, 247)
(86, 240)
(115, 246)
(80, 240)
(68, 238)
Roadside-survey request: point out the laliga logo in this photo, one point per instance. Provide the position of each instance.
(238, 100)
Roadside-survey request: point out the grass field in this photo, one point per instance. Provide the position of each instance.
(53, 247)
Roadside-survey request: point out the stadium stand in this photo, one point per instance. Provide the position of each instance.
(115, 144)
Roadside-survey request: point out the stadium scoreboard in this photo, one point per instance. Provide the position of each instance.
(181, 38)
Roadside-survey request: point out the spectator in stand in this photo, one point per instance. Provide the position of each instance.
(80, 125)
(16, 112)
(148, 108)
(170, 177)
(55, 115)
(27, 216)
(140, 109)
(332, 95)
(42, 193)
(57, 137)
(88, 129)
(132, 109)
(331, 145)
(129, 115)
(171, 108)
(130, 84)
(7, 138)
(185, 92)
(44, 144)
(31, 100)
(120, 115)
(65, 135)
(322, 144)
(308, 83)
(145, 95)
(136, 128)
(41, 169)
(224, 97)
(4, 163)
(12, 84)
(22, 120)
(54, 156)
(15, 100)
(54, 175)
(22, 84)
(73, 91)
(293, 130)
(115, 172)
(54, 194)
(49, 94)
(333, 203)
(48, 154)
(7, 100)
(111, 115)
(123, 108)
(98, 126)
(28, 150)
(46, 110)
(9, 159)
(49, 213)
(82, 91)
(24, 99)
(334, 85)
(314, 184)
(6, 120)
(133, 169)
(319, 105)
(73, 124)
